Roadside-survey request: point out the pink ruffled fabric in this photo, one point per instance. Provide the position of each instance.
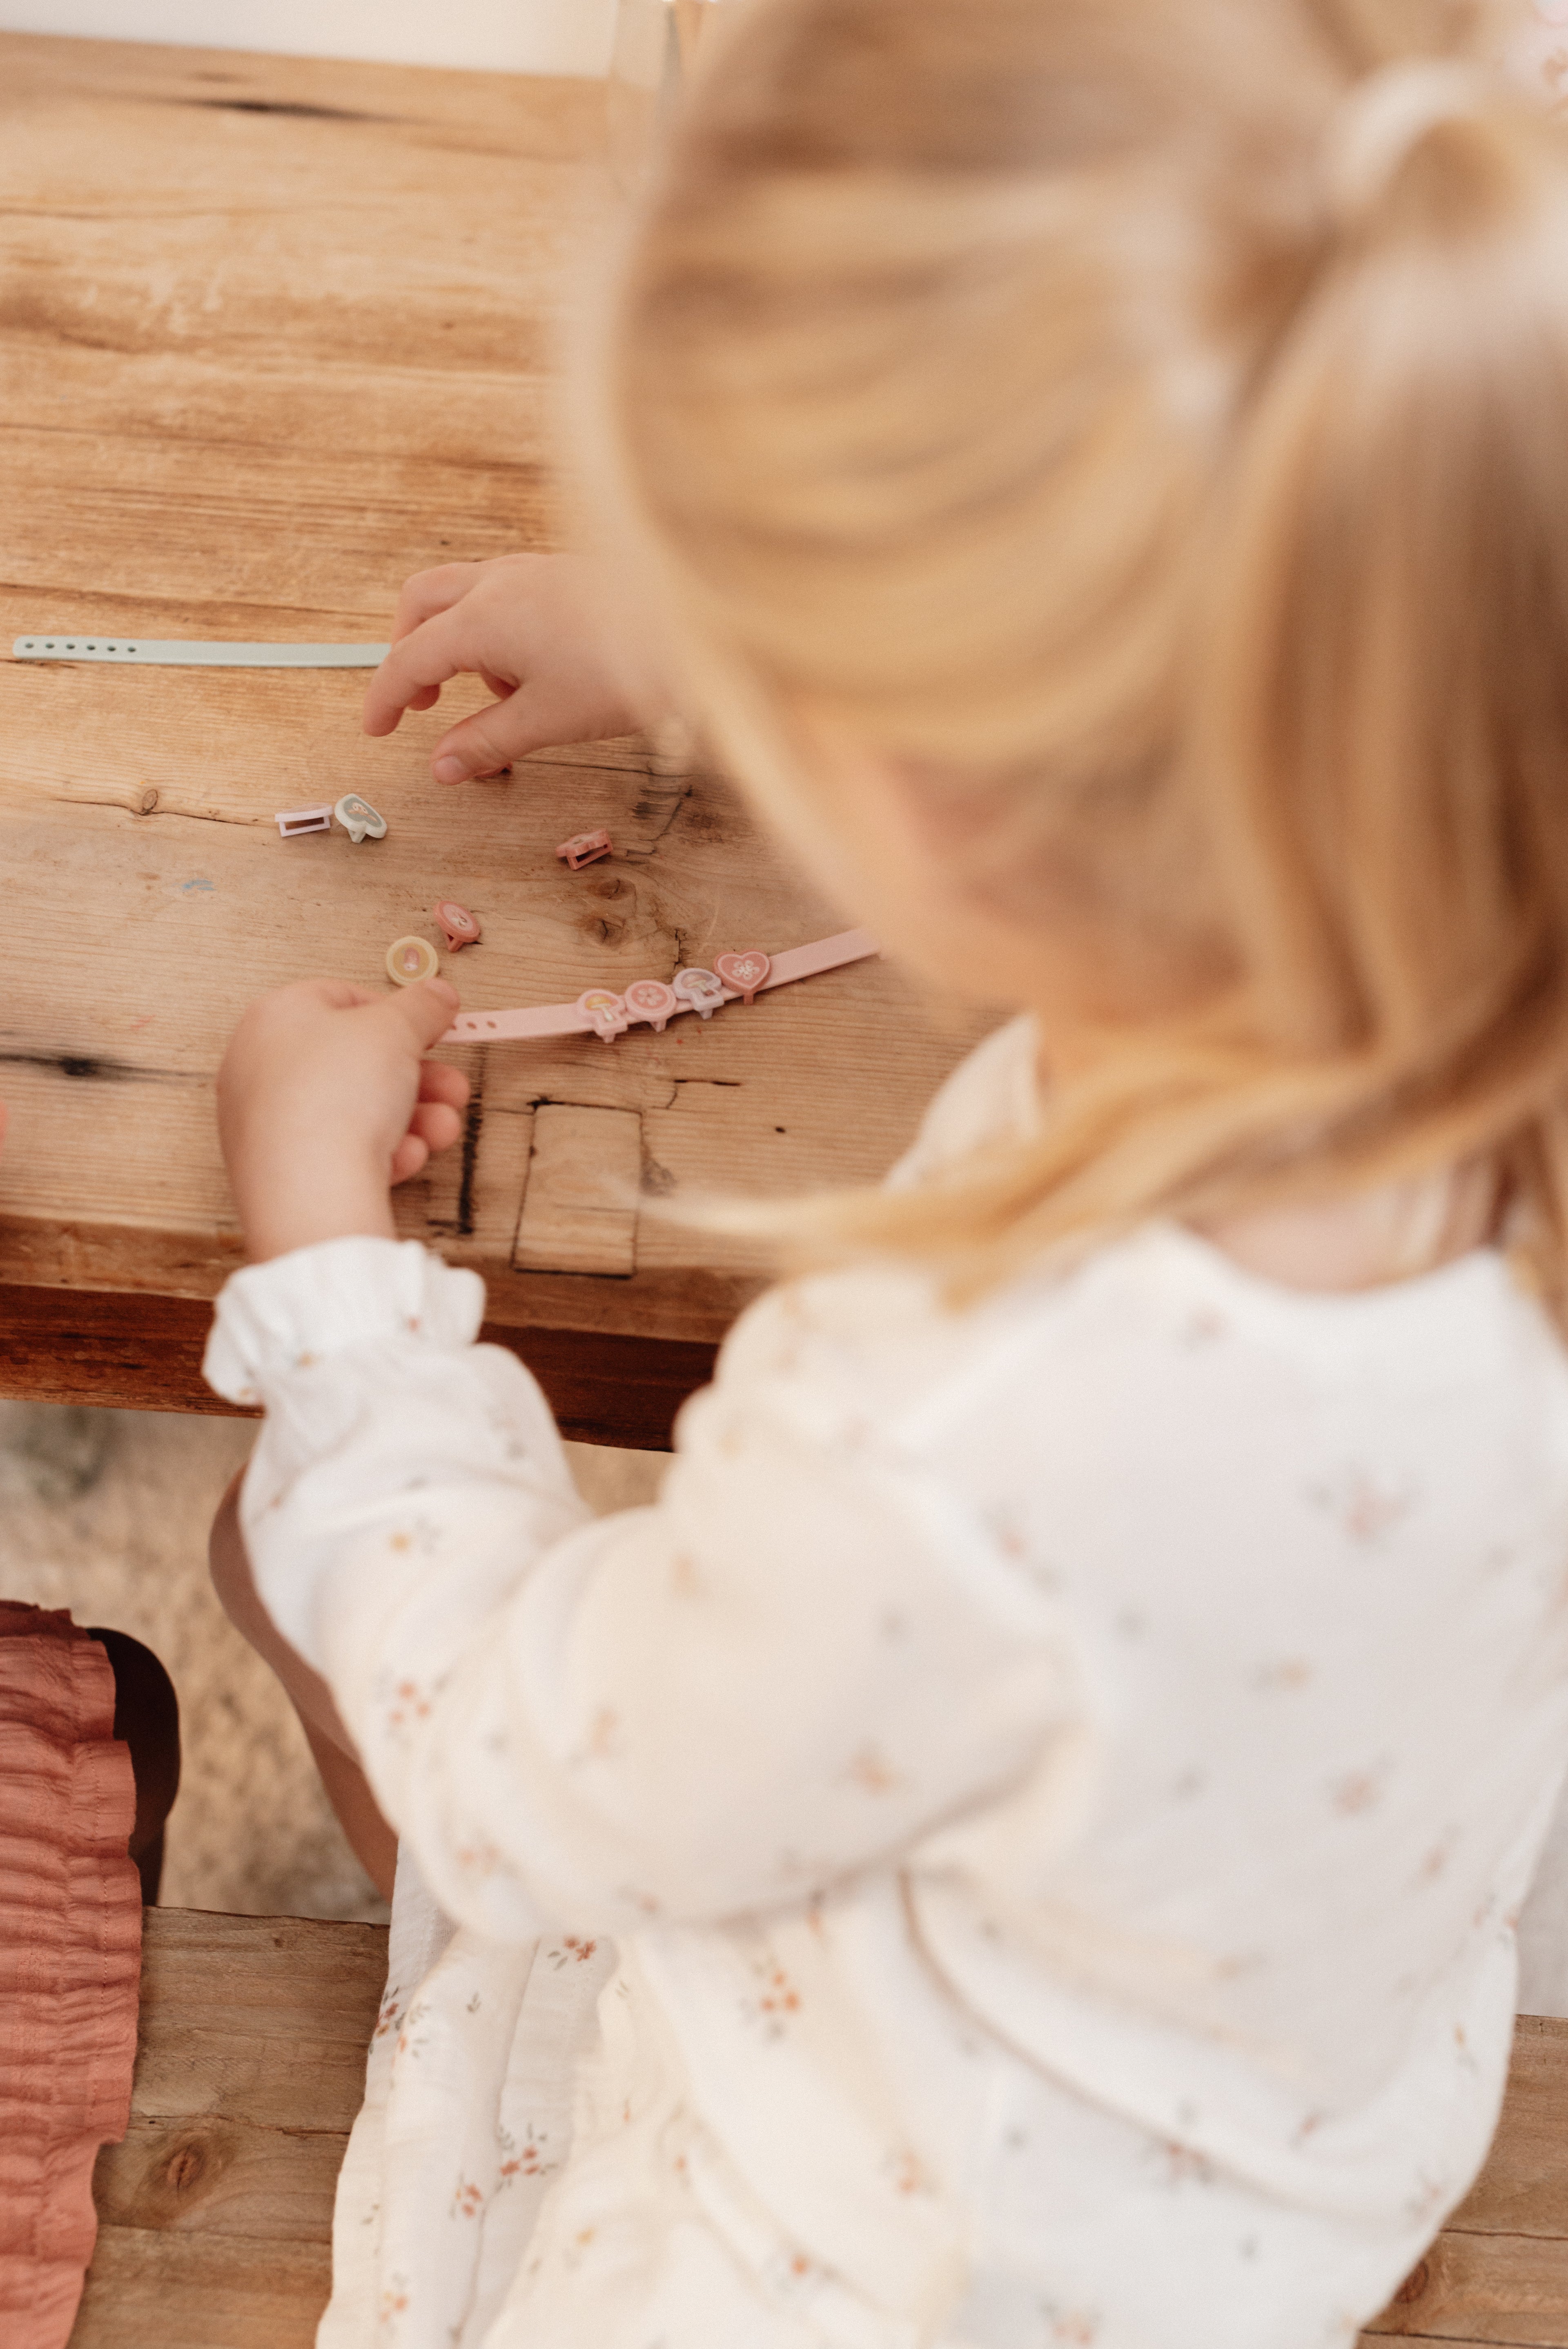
(70, 1961)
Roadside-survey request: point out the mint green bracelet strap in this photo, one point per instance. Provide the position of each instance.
(166, 653)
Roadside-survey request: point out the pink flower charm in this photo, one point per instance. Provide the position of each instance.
(743, 974)
(461, 927)
(701, 990)
(606, 1011)
(651, 999)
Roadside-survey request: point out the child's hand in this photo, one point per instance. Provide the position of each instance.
(324, 1099)
(534, 627)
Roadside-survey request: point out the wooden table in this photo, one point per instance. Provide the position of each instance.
(215, 2214)
(275, 333)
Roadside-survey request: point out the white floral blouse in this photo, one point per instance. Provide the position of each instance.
(1021, 1845)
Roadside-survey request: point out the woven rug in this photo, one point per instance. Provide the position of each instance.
(70, 1957)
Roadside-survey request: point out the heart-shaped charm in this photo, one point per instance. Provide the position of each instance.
(743, 974)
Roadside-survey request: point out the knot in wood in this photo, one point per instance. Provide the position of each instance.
(148, 801)
(185, 2167)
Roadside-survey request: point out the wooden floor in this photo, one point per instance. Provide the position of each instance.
(215, 2214)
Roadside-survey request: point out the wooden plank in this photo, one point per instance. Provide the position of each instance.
(261, 2021)
(222, 2178)
(579, 1209)
(144, 1353)
(216, 2213)
(275, 333)
(1493, 2288)
(157, 2291)
(1524, 2189)
(1498, 2273)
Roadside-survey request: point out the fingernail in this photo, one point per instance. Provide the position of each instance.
(450, 770)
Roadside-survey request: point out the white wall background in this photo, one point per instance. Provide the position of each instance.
(566, 37)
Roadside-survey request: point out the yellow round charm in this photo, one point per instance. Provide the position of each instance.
(411, 959)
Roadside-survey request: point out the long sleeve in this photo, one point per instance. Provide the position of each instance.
(805, 1658)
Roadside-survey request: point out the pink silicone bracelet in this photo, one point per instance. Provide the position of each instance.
(571, 1020)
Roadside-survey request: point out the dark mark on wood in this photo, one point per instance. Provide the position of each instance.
(473, 1126)
(94, 1066)
(185, 2166)
(293, 108)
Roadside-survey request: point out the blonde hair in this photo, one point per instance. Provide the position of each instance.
(1067, 396)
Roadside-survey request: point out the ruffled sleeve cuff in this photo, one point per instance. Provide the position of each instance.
(299, 1309)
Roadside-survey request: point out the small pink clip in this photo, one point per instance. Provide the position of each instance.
(585, 848)
(701, 990)
(461, 927)
(743, 973)
(651, 999)
(606, 1011)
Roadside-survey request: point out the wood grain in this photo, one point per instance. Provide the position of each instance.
(1499, 2271)
(580, 1206)
(224, 2177)
(150, 2290)
(274, 333)
(141, 1352)
(1527, 2194)
(1502, 2288)
(216, 2213)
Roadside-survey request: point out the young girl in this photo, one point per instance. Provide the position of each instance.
(1023, 1844)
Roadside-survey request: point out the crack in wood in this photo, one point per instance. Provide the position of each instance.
(96, 1069)
(132, 807)
(473, 1127)
(295, 109)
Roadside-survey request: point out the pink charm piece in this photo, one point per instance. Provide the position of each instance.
(701, 990)
(299, 820)
(651, 999)
(743, 974)
(585, 848)
(461, 927)
(605, 1011)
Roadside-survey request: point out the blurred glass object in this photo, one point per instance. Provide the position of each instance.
(656, 41)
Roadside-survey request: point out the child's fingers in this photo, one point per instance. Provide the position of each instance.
(429, 592)
(427, 1011)
(436, 1125)
(342, 994)
(411, 1156)
(434, 653)
(535, 718)
(438, 1082)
